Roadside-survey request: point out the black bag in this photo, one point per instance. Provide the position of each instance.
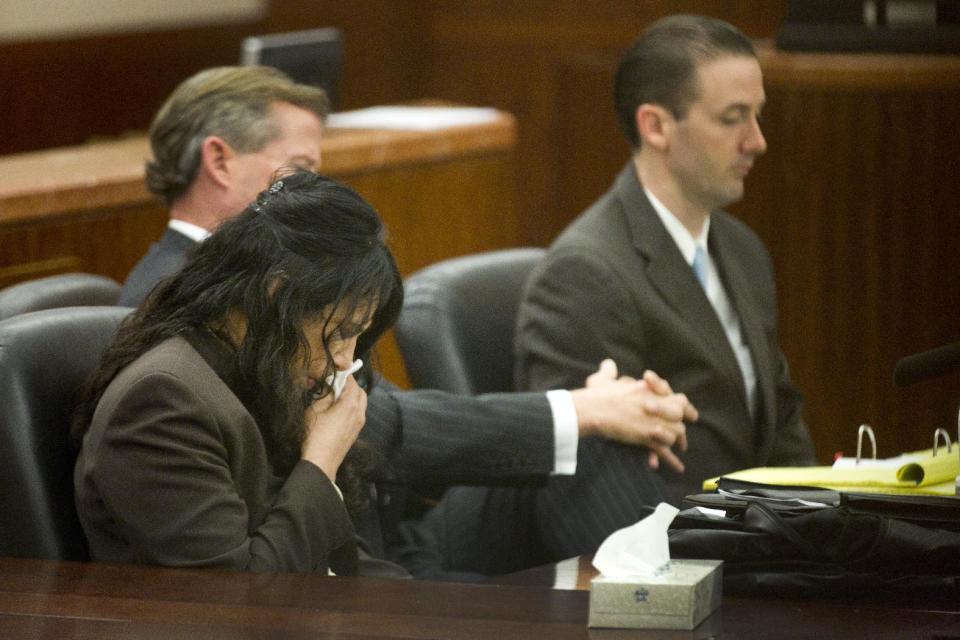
(811, 540)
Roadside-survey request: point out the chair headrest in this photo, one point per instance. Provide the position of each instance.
(64, 290)
(457, 325)
(45, 356)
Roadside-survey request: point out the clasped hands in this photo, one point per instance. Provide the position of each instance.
(644, 412)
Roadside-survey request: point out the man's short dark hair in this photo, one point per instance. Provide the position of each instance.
(660, 67)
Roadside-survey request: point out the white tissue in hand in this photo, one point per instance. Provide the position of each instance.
(640, 549)
(338, 379)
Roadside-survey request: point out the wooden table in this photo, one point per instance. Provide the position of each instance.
(442, 193)
(73, 600)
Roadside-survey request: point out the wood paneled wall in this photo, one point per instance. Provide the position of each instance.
(63, 92)
(551, 64)
(856, 198)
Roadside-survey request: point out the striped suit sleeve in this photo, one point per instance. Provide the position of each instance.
(455, 439)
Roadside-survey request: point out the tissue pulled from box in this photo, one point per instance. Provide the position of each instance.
(642, 549)
(339, 378)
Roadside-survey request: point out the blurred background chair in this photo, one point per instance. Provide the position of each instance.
(64, 290)
(44, 357)
(455, 332)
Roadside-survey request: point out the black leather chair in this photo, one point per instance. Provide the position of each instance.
(455, 332)
(44, 357)
(64, 290)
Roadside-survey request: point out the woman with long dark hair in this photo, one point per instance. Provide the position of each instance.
(209, 434)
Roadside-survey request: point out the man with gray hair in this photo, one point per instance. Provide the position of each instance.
(216, 141)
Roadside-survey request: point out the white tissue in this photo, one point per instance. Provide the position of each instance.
(642, 549)
(338, 379)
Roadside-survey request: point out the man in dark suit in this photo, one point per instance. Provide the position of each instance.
(655, 276)
(217, 141)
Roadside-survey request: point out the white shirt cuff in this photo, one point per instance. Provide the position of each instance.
(566, 434)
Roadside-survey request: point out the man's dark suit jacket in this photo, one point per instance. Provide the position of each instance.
(164, 259)
(615, 285)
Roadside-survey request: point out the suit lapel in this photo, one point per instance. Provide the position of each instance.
(673, 278)
(735, 281)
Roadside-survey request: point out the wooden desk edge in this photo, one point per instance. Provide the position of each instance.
(75, 180)
(857, 70)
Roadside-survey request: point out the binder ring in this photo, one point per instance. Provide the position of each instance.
(936, 439)
(866, 429)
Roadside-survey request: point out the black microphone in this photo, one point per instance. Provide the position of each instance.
(927, 364)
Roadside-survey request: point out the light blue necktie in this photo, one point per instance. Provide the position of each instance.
(700, 266)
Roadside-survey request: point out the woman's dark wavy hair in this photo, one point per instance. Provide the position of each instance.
(308, 245)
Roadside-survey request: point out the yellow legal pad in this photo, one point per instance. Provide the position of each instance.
(917, 472)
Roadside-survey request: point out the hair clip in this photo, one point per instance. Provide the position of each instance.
(264, 197)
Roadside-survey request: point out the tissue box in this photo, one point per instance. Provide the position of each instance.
(680, 597)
